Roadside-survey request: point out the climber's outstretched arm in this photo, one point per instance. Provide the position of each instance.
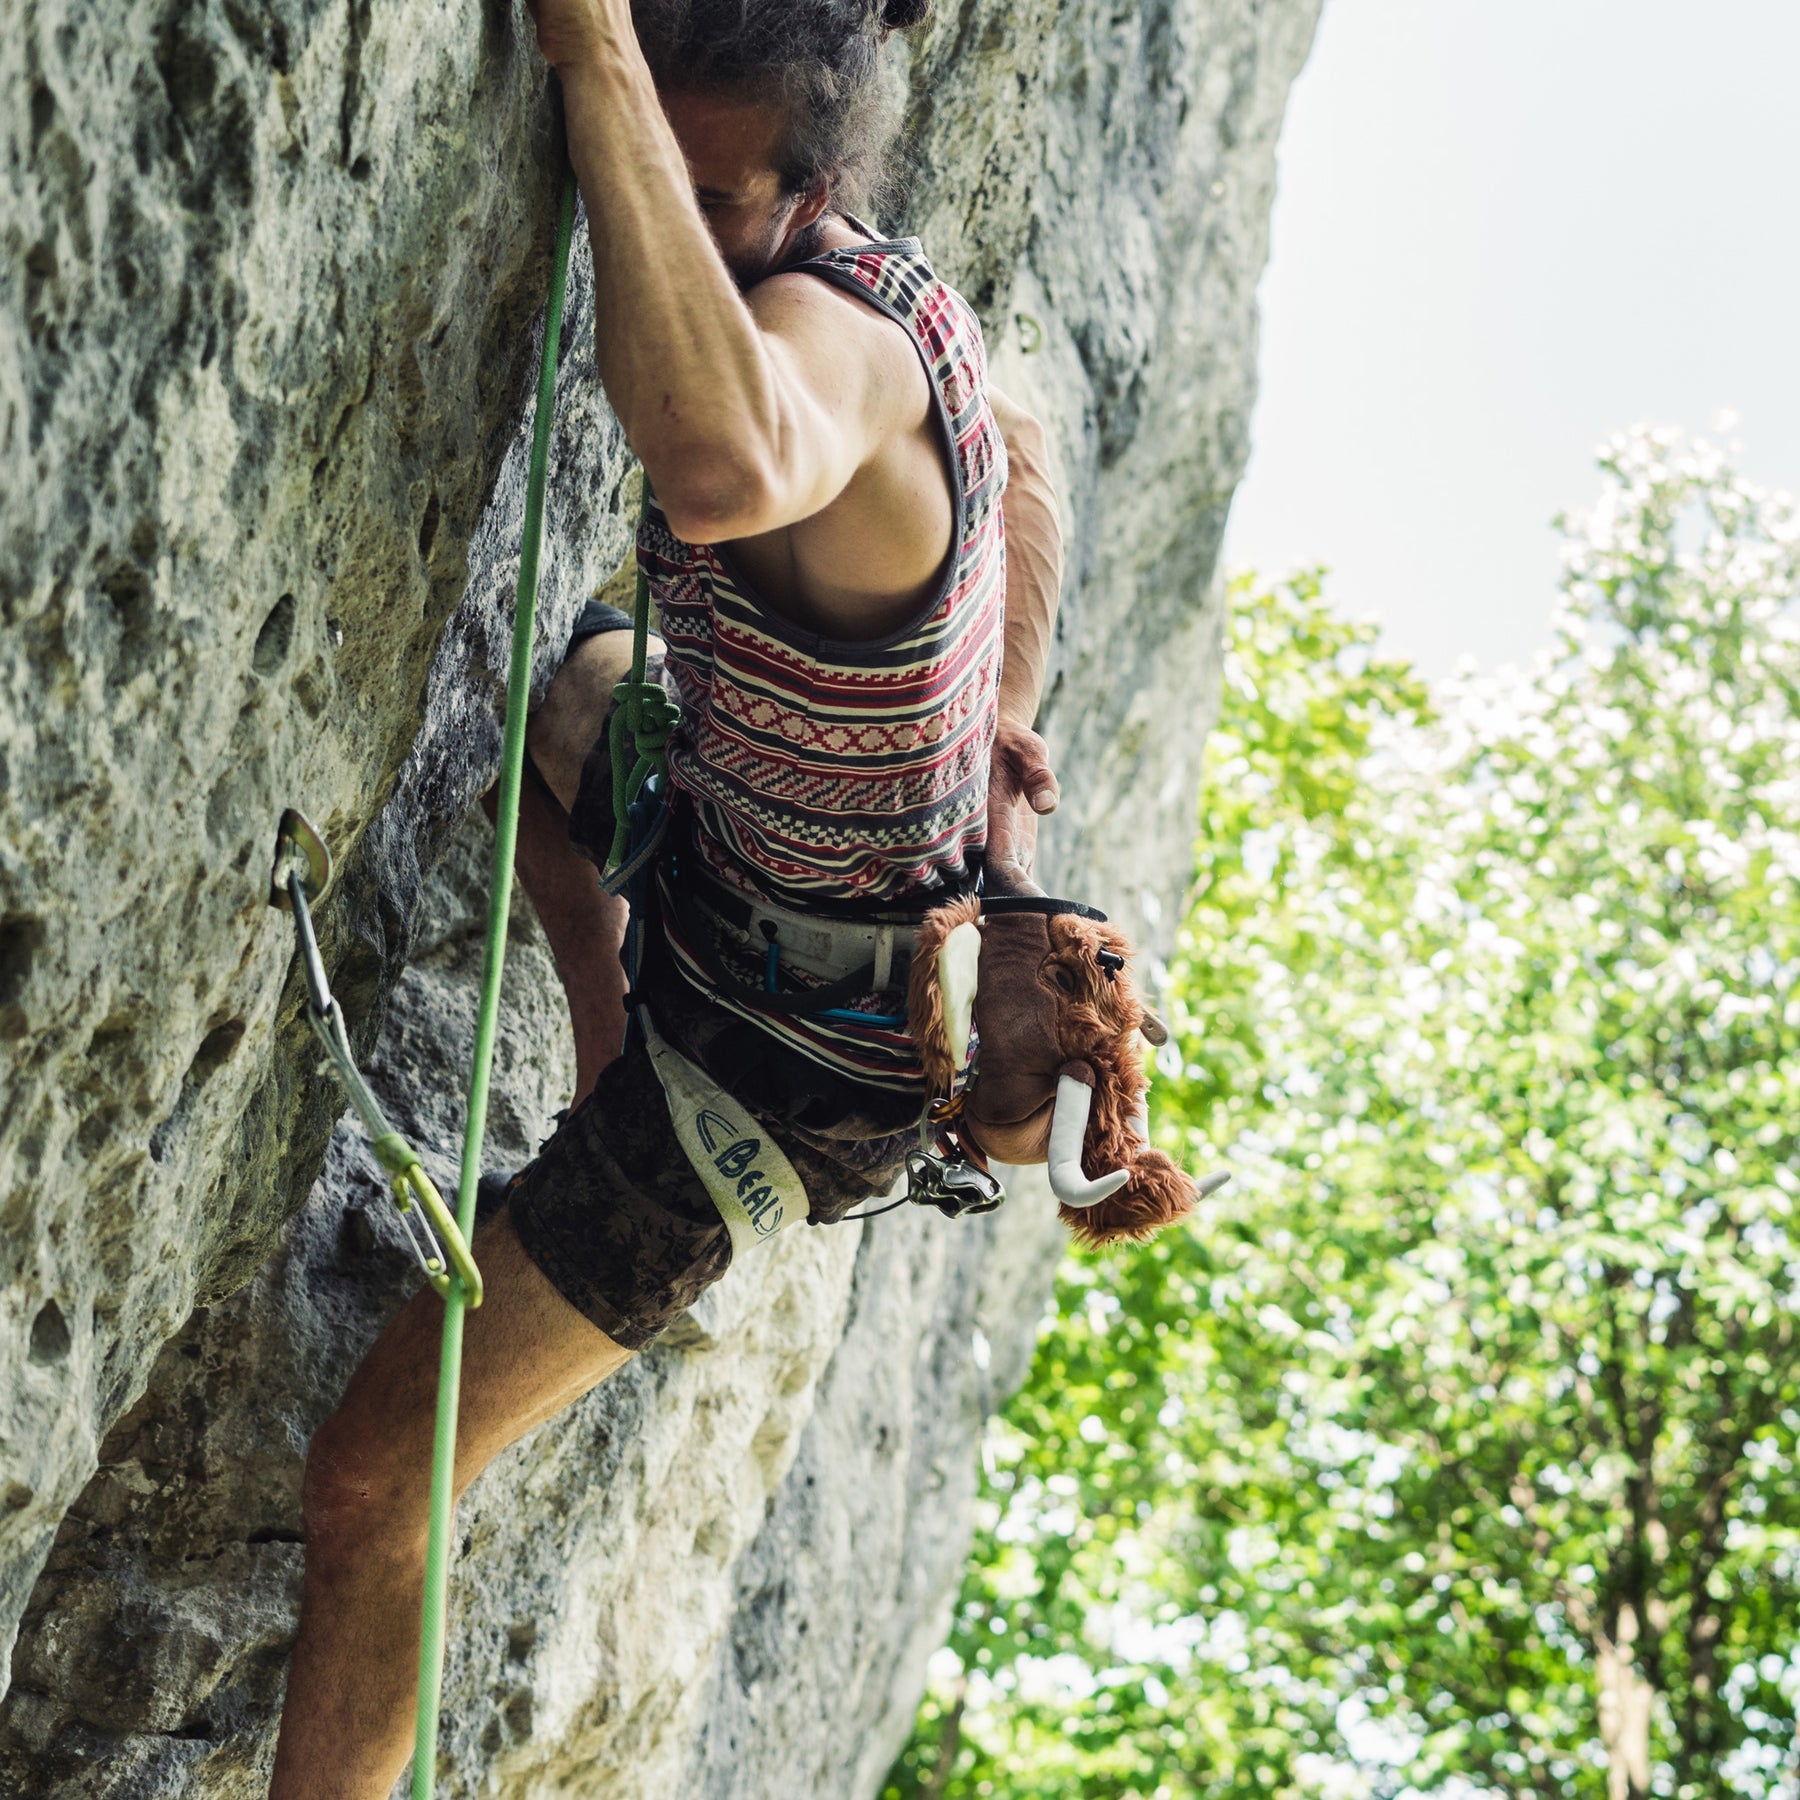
(748, 412)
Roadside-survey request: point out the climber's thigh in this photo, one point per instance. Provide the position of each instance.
(565, 727)
(612, 1212)
(527, 1354)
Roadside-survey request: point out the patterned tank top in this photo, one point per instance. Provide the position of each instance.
(824, 773)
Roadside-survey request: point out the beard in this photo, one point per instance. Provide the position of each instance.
(807, 243)
(768, 257)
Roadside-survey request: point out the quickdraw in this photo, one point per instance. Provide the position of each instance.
(646, 712)
(302, 861)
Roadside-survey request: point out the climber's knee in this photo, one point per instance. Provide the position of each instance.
(360, 1498)
(573, 714)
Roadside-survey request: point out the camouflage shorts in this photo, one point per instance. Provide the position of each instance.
(614, 1215)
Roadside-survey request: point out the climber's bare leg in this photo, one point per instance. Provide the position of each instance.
(585, 927)
(347, 1726)
(573, 712)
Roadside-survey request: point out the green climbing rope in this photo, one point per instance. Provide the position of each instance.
(506, 833)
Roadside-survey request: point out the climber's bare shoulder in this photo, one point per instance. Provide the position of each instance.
(862, 564)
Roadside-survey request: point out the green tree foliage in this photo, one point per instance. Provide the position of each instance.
(1454, 1449)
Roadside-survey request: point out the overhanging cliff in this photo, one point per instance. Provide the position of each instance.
(268, 291)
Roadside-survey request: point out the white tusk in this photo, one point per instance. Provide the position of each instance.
(1140, 1123)
(959, 965)
(1210, 1184)
(1068, 1129)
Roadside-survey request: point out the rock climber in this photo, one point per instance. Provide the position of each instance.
(856, 634)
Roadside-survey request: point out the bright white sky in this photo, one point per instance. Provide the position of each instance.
(1504, 229)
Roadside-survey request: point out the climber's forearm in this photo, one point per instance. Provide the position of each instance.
(1033, 563)
(683, 362)
(685, 366)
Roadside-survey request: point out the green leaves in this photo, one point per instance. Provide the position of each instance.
(1455, 1443)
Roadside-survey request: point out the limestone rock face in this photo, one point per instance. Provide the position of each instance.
(268, 283)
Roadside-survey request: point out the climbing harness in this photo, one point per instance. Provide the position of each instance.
(301, 859)
(748, 1178)
(849, 957)
(303, 862)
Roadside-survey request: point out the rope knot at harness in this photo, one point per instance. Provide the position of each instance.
(644, 717)
(652, 714)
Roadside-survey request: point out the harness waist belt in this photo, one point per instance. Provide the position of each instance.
(830, 949)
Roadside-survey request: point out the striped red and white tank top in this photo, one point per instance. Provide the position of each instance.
(823, 772)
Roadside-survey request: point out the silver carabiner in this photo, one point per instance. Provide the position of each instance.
(302, 861)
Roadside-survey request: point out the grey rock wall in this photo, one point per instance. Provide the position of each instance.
(267, 290)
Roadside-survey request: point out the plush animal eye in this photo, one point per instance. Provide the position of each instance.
(1063, 980)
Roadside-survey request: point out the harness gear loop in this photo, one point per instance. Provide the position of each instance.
(433, 1234)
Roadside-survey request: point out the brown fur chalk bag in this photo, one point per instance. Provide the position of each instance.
(1044, 987)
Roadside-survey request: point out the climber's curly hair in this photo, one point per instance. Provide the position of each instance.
(820, 59)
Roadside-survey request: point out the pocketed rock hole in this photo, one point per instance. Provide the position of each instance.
(276, 637)
(215, 1048)
(50, 1339)
(21, 943)
(428, 525)
(127, 590)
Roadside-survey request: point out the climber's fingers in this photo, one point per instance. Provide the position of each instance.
(1029, 758)
(1011, 845)
(1021, 786)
